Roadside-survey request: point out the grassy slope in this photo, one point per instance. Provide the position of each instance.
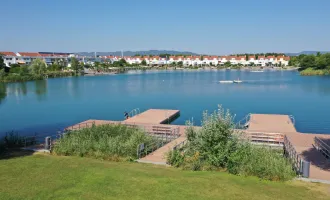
(51, 177)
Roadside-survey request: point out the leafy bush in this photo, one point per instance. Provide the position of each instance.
(313, 72)
(2, 147)
(111, 142)
(13, 140)
(217, 146)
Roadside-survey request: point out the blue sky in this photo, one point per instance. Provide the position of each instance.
(208, 26)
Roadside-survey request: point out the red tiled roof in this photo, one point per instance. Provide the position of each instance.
(224, 57)
(270, 57)
(252, 57)
(7, 53)
(29, 54)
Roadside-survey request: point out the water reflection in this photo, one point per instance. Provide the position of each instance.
(41, 89)
(3, 92)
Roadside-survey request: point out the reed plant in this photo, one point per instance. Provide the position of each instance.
(109, 142)
(217, 146)
(13, 140)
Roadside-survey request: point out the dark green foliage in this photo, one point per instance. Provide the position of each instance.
(13, 140)
(312, 64)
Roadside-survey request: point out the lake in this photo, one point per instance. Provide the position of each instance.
(50, 105)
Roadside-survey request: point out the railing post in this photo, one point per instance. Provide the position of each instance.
(47, 143)
(305, 168)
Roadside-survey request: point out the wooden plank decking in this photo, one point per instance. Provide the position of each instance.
(302, 142)
(259, 123)
(271, 123)
(154, 116)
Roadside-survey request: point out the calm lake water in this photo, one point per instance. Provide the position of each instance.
(53, 104)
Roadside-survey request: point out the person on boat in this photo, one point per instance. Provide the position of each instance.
(126, 115)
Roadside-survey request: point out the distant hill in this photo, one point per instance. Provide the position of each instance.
(306, 52)
(132, 53)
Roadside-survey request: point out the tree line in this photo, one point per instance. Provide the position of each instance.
(317, 62)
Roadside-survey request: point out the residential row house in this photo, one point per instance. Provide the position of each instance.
(49, 58)
(27, 57)
(205, 60)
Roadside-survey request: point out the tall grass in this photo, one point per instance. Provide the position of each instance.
(110, 142)
(315, 72)
(217, 146)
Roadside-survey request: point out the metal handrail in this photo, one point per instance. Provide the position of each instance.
(180, 145)
(134, 112)
(322, 146)
(297, 161)
(246, 119)
(292, 119)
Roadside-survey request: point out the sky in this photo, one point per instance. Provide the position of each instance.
(216, 27)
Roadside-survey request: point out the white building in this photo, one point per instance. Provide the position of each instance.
(9, 58)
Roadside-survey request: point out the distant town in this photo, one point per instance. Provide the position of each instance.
(25, 58)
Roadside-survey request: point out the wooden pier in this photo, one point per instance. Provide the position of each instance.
(261, 128)
(154, 116)
(303, 143)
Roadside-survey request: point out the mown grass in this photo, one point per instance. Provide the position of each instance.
(57, 177)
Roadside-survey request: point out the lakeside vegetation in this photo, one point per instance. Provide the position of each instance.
(37, 70)
(216, 146)
(108, 142)
(310, 65)
(44, 177)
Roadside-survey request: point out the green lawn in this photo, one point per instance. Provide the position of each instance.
(52, 177)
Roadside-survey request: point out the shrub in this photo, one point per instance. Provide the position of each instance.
(13, 140)
(217, 146)
(111, 142)
(2, 147)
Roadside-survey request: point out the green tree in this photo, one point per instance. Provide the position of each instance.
(180, 63)
(38, 66)
(144, 62)
(227, 64)
(2, 63)
(308, 61)
(75, 66)
(323, 61)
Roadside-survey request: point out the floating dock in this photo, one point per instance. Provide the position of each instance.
(303, 143)
(154, 116)
(271, 123)
(263, 127)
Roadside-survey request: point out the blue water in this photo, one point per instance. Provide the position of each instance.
(53, 104)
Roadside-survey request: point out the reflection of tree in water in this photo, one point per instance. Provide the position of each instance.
(75, 81)
(41, 89)
(22, 88)
(3, 91)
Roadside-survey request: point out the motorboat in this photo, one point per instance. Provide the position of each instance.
(226, 81)
(237, 81)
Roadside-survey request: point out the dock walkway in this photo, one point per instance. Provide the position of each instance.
(260, 126)
(154, 116)
(302, 142)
